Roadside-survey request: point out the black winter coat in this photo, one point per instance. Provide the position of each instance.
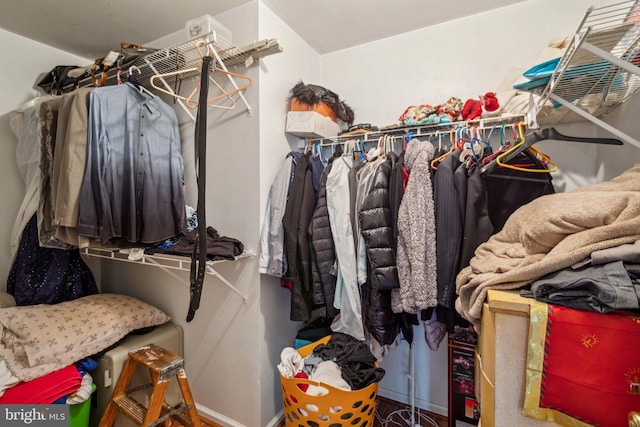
(377, 230)
(323, 252)
(297, 217)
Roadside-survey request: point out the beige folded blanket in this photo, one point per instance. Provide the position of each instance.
(549, 234)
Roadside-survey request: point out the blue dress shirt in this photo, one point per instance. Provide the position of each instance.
(132, 191)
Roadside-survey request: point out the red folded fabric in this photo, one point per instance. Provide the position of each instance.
(591, 368)
(46, 389)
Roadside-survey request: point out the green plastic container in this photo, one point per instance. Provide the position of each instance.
(79, 413)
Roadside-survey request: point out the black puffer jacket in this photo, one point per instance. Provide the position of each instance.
(377, 230)
(323, 253)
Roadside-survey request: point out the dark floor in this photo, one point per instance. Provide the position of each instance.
(385, 407)
(384, 418)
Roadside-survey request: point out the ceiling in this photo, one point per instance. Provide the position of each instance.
(90, 29)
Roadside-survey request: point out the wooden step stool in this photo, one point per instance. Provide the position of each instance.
(162, 365)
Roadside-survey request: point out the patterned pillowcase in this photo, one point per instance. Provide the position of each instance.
(43, 337)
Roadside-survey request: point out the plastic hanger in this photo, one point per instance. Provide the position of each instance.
(543, 135)
(435, 162)
(516, 148)
(193, 104)
(187, 99)
(131, 79)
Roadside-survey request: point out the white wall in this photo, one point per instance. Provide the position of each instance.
(222, 343)
(465, 58)
(28, 61)
(278, 74)
(232, 347)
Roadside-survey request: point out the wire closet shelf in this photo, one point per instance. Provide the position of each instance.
(188, 56)
(598, 71)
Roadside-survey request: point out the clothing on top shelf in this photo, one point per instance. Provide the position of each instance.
(599, 288)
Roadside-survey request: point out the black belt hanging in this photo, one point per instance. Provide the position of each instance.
(199, 255)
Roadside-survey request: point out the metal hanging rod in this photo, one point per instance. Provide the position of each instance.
(418, 130)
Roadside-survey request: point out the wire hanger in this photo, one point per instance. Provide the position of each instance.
(542, 135)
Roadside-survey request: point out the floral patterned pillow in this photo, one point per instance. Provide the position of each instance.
(40, 339)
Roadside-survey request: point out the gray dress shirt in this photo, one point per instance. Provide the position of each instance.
(132, 192)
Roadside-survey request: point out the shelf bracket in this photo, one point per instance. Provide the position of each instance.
(604, 125)
(210, 270)
(168, 263)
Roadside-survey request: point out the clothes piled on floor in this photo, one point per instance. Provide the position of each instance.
(343, 362)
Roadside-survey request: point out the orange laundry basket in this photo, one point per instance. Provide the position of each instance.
(336, 408)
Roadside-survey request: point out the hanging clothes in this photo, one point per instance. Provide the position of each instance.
(69, 163)
(27, 124)
(271, 257)
(492, 198)
(349, 321)
(132, 190)
(377, 235)
(365, 180)
(416, 255)
(41, 275)
(48, 113)
(450, 197)
(323, 252)
(297, 216)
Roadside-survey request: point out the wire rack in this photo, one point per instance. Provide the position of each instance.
(599, 69)
(188, 56)
(166, 262)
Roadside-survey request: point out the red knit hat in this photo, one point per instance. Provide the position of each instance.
(490, 101)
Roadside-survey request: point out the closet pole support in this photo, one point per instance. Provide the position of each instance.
(596, 121)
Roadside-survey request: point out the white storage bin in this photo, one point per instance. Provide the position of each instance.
(309, 124)
(206, 24)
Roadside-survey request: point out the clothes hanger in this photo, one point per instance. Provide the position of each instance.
(187, 99)
(131, 79)
(435, 162)
(185, 71)
(543, 159)
(544, 135)
(192, 104)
